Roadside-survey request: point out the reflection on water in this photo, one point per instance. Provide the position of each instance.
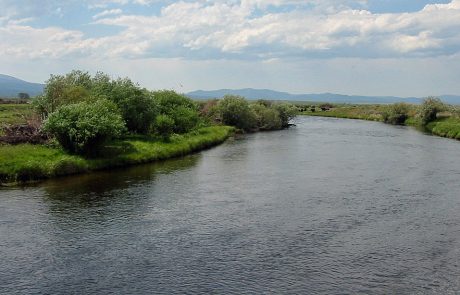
(328, 207)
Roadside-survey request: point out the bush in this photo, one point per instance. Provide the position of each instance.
(83, 127)
(267, 118)
(286, 111)
(164, 126)
(235, 111)
(137, 105)
(182, 110)
(396, 113)
(63, 90)
(430, 108)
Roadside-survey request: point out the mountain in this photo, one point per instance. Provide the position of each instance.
(250, 93)
(11, 86)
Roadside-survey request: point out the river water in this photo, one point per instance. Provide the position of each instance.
(331, 206)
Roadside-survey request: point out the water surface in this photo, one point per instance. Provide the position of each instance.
(331, 206)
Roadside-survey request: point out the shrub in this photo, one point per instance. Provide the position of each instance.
(267, 118)
(430, 108)
(286, 111)
(137, 105)
(182, 110)
(164, 126)
(83, 127)
(235, 111)
(396, 113)
(62, 90)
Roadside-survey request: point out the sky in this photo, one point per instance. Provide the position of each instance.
(365, 47)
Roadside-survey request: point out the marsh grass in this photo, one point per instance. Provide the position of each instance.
(26, 162)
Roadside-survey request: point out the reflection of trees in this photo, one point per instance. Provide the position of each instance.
(99, 189)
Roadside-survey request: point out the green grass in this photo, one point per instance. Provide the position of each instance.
(26, 162)
(448, 124)
(361, 112)
(446, 127)
(14, 113)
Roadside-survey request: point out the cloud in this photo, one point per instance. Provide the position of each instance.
(250, 29)
(107, 13)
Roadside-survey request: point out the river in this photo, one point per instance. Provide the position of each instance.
(330, 206)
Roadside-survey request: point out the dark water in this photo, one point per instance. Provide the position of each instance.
(329, 207)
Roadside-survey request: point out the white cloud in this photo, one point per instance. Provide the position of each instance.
(233, 29)
(108, 13)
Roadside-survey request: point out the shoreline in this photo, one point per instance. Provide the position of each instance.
(26, 163)
(443, 127)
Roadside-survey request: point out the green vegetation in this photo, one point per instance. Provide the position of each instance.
(396, 114)
(26, 162)
(261, 115)
(15, 113)
(83, 123)
(84, 127)
(432, 115)
(430, 109)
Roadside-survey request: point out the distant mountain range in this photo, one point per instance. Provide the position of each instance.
(251, 93)
(10, 87)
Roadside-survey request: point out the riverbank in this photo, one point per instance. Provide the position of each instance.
(27, 162)
(446, 125)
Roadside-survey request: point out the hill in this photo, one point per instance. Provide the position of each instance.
(10, 87)
(251, 93)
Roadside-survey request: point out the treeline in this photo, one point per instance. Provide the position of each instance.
(82, 112)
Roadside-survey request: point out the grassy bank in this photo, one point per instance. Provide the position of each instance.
(14, 114)
(361, 112)
(447, 125)
(25, 162)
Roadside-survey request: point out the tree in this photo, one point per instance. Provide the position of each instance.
(164, 126)
(137, 105)
(23, 95)
(396, 113)
(286, 111)
(429, 109)
(63, 90)
(235, 111)
(84, 127)
(267, 117)
(181, 109)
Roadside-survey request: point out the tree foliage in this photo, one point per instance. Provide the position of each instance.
(429, 109)
(83, 127)
(164, 126)
(396, 113)
(182, 110)
(235, 111)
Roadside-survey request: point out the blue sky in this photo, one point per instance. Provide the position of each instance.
(368, 47)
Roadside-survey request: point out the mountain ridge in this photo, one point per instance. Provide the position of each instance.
(10, 87)
(251, 93)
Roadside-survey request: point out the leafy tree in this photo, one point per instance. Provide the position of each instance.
(396, 113)
(181, 109)
(429, 109)
(23, 95)
(62, 90)
(235, 111)
(137, 105)
(84, 127)
(286, 111)
(164, 126)
(267, 117)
